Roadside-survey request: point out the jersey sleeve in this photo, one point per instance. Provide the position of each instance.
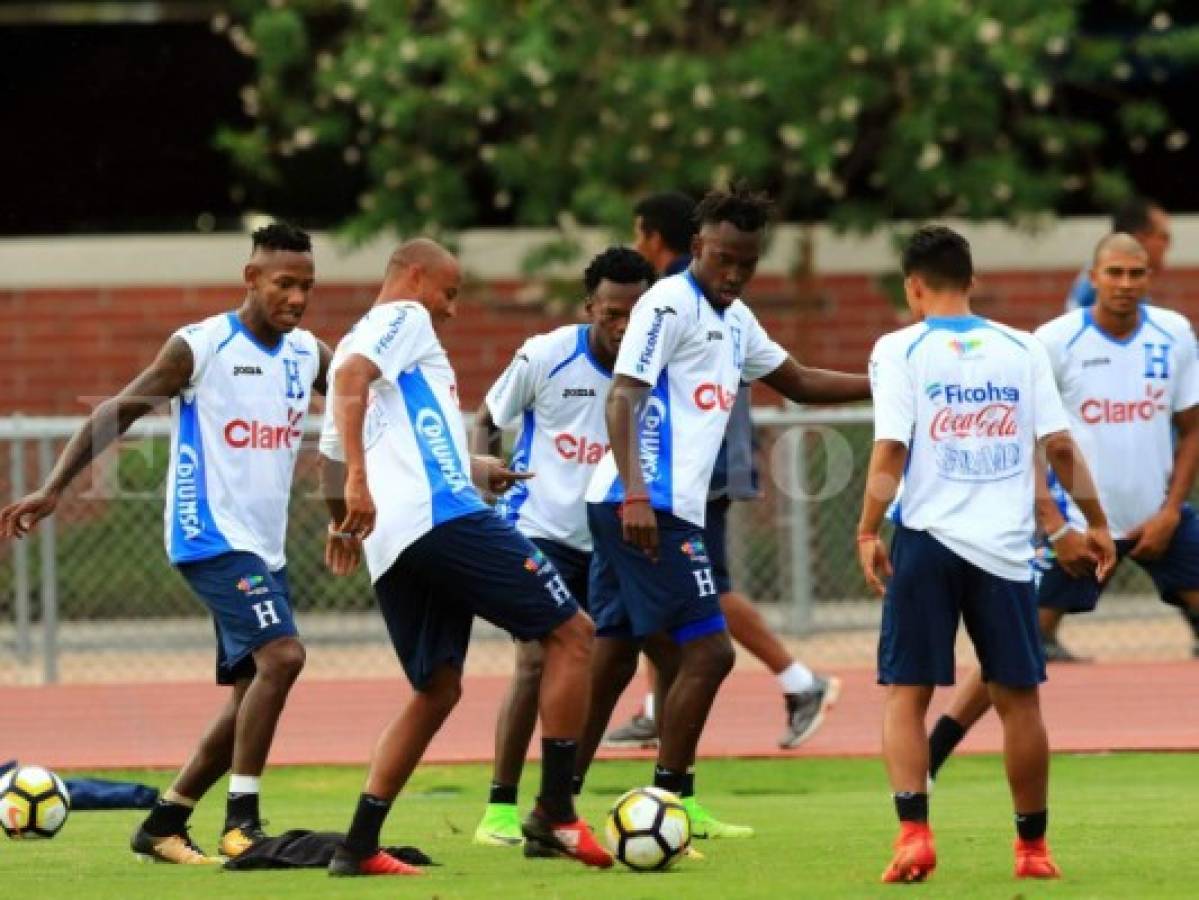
(894, 396)
(762, 355)
(393, 339)
(1049, 414)
(656, 327)
(515, 390)
(199, 339)
(1187, 394)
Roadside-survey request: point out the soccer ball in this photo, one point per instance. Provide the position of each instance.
(33, 803)
(648, 829)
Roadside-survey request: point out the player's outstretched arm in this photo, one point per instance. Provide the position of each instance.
(804, 384)
(1071, 470)
(625, 402)
(155, 385)
(887, 461)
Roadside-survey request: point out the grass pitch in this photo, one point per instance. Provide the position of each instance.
(1120, 825)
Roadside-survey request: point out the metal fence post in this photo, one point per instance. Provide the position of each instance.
(49, 574)
(20, 549)
(799, 615)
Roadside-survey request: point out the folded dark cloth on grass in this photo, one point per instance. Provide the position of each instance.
(99, 793)
(300, 849)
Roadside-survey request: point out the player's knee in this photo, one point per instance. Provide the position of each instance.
(281, 660)
(443, 694)
(715, 660)
(576, 634)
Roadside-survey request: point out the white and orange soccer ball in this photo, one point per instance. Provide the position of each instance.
(34, 803)
(648, 829)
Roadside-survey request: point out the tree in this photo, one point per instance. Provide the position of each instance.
(858, 112)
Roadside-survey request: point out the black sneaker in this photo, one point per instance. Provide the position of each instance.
(805, 710)
(178, 849)
(640, 731)
(1056, 652)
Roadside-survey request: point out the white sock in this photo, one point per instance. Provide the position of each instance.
(244, 784)
(649, 706)
(796, 678)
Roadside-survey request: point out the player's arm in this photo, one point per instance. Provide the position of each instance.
(804, 384)
(1153, 536)
(1063, 455)
(343, 551)
(351, 384)
(1070, 546)
(486, 438)
(887, 461)
(321, 384)
(162, 379)
(622, 409)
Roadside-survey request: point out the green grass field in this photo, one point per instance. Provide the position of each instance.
(1121, 826)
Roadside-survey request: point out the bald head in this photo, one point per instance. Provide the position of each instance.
(1122, 243)
(419, 252)
(1121, 278)
(424, 271)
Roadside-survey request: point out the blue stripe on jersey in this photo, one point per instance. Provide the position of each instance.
(579, 350)
(584, 338)
(238, 326)
(1142, 318)
(510, 504)
(916, 343)
(1086, 323)
(1148, 321)
(1012, 338)
(194, 532)
(655, 450)
(453, 495)
(232, 318)
(1057, 491)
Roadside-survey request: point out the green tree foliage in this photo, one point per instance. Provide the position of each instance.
(536, 112)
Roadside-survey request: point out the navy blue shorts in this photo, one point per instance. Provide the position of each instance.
(573, 565)
(932, 589)
(250, 607)
(632, 597)
(716, 540)
(1176, 571)
(475, 565)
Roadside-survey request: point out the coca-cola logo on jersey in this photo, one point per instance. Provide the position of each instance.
(710, 396)
(995, 420)
(975, 431)
(241, 434)
(1097, 411)
(580, 448)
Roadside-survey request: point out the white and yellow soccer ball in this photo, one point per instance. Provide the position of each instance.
(648, 829)
(34, 803)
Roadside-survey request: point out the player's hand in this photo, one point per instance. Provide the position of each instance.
(876, 565)
(639, 527)
(18, 518)
(1152, 537)
(1104, 548)
(342, 552)
(360, 506)
(1074, 554)
(491, 476)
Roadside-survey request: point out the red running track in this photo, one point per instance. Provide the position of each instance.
(1088, 708)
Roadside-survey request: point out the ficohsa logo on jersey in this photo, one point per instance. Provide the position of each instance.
(432, 428)
(975, 430)
(653, 421)
(963, 393)
(1102, 411)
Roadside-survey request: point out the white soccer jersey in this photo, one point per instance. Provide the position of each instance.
(695, 357)
(1120, 396)
(417, 459)
(554, 390)
(235, 435)
(970, 398)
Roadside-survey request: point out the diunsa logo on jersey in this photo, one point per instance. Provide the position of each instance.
(653, 423)
(432, 427)
(187, 492)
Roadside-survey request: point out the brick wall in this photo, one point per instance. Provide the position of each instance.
(61, 346)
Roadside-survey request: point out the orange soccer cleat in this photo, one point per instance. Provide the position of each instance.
(915, 856)
(1033, 860)
(573, 839)
(345, 864)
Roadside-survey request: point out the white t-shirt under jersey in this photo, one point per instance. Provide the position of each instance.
(970, 398)
(235, 435)
(417, 459)
(554, 391)
(695, 358)
(1120, 396)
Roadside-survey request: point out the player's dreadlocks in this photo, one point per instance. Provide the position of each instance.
(281, 236)
(621, 265)
(745, 209)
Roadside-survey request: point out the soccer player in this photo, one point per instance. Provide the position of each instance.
(690, 344)
(1149, 224)
(239, 386)
(1127, 374)
(439, 555)
(554, 391)
(961, 406)
(664, 227)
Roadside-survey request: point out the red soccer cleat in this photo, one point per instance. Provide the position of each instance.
(915, 856)
(573, 839)
(1034, 861)
(344, 865)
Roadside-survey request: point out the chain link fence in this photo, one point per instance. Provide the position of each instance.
(91, 598)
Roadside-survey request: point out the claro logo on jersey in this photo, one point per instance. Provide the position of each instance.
(432, 427)
(187, 492)
(1101, 411)
(255, 435)
(710, 396)
(651, 338)
(579, 448)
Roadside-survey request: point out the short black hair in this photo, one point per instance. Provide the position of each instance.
(670, 214)
(622, 265)
(1133, 216)
(739, 206)
(940, 256)
(281, 236)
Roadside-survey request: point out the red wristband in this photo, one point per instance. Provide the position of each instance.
(866, 538)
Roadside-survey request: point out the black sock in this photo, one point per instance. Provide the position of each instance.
(688, 785)
(1031, 826)
(557, 774)
(576, 784)
(911, 807)
(241, 809)
(167, 818)
(363, 837)
(502, 793)
(670, 780)
(946, 735)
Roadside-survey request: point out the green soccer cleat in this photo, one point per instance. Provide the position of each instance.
(500, 826)
(705, 825)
